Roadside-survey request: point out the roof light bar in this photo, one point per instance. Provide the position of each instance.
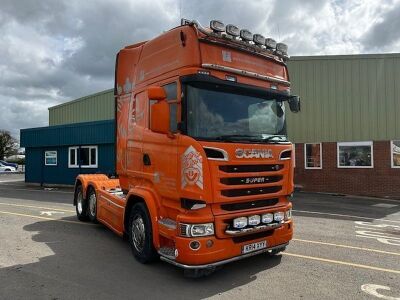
(270, 43)
(281, 48)
(246, 35)
(232, 30)
(217, 26)
(259, 39)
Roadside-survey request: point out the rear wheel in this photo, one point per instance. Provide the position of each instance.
(92, 204)
(141, 234)
(81, 204)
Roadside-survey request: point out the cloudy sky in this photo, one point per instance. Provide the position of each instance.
(52, 51)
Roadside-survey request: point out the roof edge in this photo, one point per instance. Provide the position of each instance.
(345, 56)
(81, 99)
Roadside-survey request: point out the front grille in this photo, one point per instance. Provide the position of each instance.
(250, 204)
(251, 180)
(251, 192)
(250, 168)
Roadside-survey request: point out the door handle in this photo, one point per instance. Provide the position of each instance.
(146, 159)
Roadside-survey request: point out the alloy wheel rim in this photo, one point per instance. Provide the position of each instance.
(92, 204)
(138, 233)
(79, 203)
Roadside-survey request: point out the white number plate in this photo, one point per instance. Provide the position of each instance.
(254, 247)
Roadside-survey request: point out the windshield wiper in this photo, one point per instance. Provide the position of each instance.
(252, 138)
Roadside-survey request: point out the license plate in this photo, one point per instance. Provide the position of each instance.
(254, 247)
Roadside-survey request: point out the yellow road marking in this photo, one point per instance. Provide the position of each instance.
(44, 218)
(33, 206)
(339, 262)
(347, 246)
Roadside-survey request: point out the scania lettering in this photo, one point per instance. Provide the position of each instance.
(204, 171)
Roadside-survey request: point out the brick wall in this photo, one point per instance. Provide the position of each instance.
(380, 181)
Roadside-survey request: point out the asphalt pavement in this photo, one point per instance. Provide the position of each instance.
(343, 248)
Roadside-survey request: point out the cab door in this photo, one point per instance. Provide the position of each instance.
(160, 151)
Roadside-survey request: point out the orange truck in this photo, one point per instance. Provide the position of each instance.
(204, 170)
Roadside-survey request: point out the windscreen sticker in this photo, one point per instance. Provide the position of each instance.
(192, 168)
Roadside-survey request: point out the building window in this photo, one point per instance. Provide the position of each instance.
(395, 153)
(73, 157)
(355, 155)
(313, 156)
(84, 156)
(50, 158)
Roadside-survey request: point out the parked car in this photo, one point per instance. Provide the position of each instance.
(9, 164)
(4, 168)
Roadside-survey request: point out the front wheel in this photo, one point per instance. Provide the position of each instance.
(81, 205)
(141, 234)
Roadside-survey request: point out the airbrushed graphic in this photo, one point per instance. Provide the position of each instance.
(192, 168)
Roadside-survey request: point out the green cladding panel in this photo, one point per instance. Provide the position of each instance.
(345, 98)
(91, 108)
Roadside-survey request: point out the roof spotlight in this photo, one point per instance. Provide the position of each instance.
(232, 30)
(258, 39)
(281, 48)
(270, 43)
(246, 35)
(217, 26)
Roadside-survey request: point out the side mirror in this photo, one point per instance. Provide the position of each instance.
(156, 93)
(294, 103)
(159, 111)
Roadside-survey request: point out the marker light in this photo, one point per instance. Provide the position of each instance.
(240, 222)
(259, 39)
(270, 43)
(217, 26)
(282, 48)
(267, 218)
(232, 30)
(254, 220)
(246, 35)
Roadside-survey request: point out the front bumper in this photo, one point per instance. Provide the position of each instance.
(221, 262)
(216, 251)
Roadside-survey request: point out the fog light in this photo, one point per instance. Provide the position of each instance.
(279, 216)
(240, 222)
(194, 245)
(267, 218)
(254, 220)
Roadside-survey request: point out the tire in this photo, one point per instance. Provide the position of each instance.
(92, 205)
(276, 251)
(141, 234)
(81, 205)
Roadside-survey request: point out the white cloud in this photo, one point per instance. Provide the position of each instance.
(54, 51)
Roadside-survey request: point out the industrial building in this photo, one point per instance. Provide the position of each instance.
(347, 136)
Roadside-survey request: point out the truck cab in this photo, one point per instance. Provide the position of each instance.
(204, 170)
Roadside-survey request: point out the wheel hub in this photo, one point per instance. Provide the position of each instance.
(138, 233)
(79, 204)
(92, 204)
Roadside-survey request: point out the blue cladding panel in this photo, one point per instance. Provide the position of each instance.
(89, 133)
(37, 172)
(60, 138)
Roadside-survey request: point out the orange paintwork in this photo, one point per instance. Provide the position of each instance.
(178, 52)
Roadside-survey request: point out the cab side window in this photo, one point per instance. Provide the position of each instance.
(172, 96)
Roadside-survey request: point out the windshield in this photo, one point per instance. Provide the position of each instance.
(214, 113)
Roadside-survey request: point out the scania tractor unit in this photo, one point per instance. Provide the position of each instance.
(204, 170)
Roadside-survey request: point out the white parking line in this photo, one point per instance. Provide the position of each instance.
(341, 215)
(33, 190)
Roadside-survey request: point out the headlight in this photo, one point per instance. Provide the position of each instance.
(240, 222)
(279, 216)
(267, 218)
(195, 230)
(254, 220)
